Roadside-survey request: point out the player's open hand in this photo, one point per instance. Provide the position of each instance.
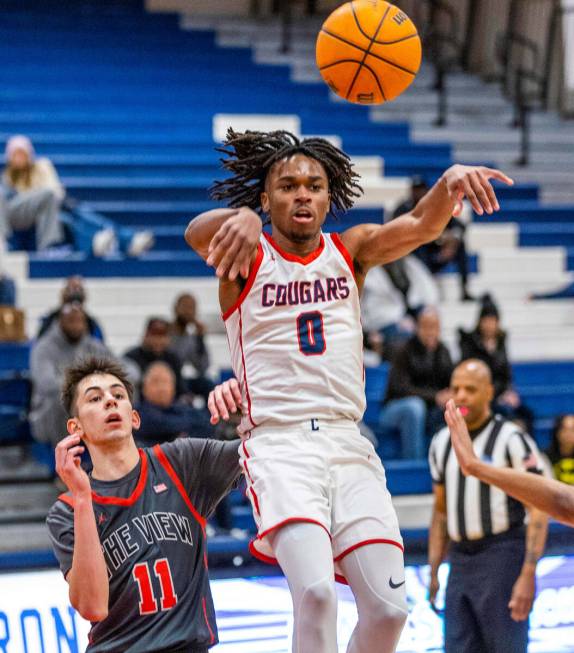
(473, 182)
(68, 465)
(231, 248)
(460, 437)
(223, 400)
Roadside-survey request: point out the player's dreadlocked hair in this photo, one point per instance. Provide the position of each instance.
(250, 156)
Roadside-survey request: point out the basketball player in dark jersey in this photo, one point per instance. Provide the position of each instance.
(130, 537)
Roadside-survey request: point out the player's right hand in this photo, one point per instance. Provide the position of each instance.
(68, 465)
(231, 248)
(224, 399)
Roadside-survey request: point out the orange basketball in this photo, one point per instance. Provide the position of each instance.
(368, 51)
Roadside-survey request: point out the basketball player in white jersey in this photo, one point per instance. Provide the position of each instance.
(290, 302)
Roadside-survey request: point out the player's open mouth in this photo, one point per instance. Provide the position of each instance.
(114, 418)
(302, 215)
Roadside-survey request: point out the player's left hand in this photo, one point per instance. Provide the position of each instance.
(460, 437)
(522, 596)
(224, 399)
(473, 182)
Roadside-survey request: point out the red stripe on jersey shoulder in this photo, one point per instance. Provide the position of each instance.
(178, 484)
(248, 284)
(304, 260)
(66, 499)
(134, 496)
(344, 251)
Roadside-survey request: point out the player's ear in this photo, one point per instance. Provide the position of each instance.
(136, 420)
(265, 201)
(490, 393)
(74, 427)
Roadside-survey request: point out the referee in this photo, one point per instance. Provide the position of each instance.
(492, 554)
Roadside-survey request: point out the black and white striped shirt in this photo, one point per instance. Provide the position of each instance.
(474, 509)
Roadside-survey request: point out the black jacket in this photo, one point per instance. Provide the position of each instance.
(416, 371)
(471, 347)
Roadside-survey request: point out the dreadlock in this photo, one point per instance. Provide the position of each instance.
(250, 156)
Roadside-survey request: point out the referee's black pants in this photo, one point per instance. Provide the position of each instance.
(477, 617)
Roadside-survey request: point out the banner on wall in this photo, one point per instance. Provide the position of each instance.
(254, 615)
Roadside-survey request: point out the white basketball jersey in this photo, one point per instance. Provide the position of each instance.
(295, 337)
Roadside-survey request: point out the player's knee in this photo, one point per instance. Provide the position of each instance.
(385, 617)
(319, 600)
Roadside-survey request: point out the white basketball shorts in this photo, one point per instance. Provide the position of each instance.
(323, 472)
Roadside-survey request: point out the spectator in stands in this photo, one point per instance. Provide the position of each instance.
(418, 386)
(65, 342)
(392, 296)
(449, 248)
(561, 450)
(487, 342)
(154, 347)
(187, 342)
(163, 418)
(72, 292)
(31, 195)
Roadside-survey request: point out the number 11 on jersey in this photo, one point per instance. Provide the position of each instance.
(142, 576)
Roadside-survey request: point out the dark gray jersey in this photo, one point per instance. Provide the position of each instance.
(151, 525)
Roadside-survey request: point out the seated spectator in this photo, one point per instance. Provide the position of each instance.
(154, 347)
(448, 248)
(73, 292)
(163, 418)
(487, 342)
(66, 341)
(561, 450)
(392, 296)
(187, 342)
(418, 386)
(31, 195)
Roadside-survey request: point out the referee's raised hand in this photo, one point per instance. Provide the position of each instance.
(460, 438)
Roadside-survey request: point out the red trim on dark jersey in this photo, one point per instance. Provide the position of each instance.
(178, 484)
(134, 496)
(66, 499)
(304, 260)
(344, 251)
(364, 543)
(248, 284)
(207, 620)
(246, 385)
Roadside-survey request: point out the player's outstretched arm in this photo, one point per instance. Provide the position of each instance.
(226, 239)
(550, 496)
(371, 244)
(88, 577)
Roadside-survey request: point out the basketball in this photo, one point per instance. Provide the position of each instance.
(368, 51)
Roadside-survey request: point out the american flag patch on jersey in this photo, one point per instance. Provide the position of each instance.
(159, 488)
